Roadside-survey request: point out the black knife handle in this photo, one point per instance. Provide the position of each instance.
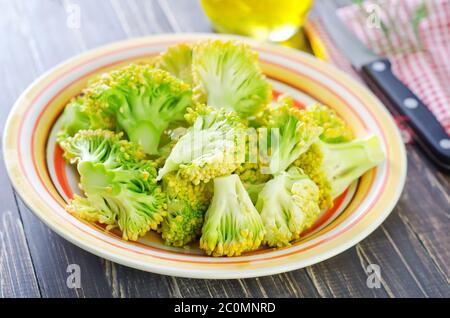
(429, 132)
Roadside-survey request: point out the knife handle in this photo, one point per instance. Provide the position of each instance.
(429, 132)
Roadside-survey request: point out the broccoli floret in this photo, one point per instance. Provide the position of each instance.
(226, 74)
(73, 118)
(310, 162)
(252, 170)
(77, 115)
(264, 117)
(119, 185)
(209, 149)
(101, 146)
(290, 133)
(232, 223)
(251, 173)
(187, 204)
(177, 60)
(288, 205)
(333, 167)
(145, 101)
(335, 130)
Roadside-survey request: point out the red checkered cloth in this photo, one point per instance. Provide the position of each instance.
(414, 35)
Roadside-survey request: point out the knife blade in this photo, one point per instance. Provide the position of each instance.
(377, 73)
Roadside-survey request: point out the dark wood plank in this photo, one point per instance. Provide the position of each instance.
(407, 270)
(185, 16)
(17, 276)
(427, 211)
(344, 276)
(37, 47)
(141, 18)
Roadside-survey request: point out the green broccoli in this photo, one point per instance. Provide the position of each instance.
(145, 101)
(177, 60)
(334, 166)
(186, 206)
(77, 115)
(101, 146)
(209, 149)
(290, 133)
(232, 224)
(335, 130)
(120, 186)
(226, 74)
(73, 118)
(251, 170)
(288, 205)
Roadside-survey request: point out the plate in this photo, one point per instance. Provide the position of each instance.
(45, 181)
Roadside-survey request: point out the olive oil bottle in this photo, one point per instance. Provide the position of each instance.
(272, 20)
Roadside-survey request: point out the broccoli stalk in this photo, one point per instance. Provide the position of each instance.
(120, 186)
(288, 204)
(232, 223)
(334, 166)
(210, 147)
(227, 75)
(145, 101)
(343, 163)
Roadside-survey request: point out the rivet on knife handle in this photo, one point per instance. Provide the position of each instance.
(430, 133)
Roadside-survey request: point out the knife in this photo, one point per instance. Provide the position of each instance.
(377, 73)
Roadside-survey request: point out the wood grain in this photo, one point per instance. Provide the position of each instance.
(17, 276)
(411, 247)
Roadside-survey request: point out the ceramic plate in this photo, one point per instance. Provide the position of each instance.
(45, 181)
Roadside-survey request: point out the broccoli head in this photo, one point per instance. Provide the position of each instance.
(226, 74)
(119, 185)
(73, 118)
(144, 101)
(101, 146)
(177, 60)
(288, 204)
(251, 173)
(333, 167)
(186, 206)
(232, 224)
(210, 147)
(290, 133)
(335, 130)
(79, 115)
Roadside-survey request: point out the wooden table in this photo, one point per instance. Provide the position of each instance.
(411, 247)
